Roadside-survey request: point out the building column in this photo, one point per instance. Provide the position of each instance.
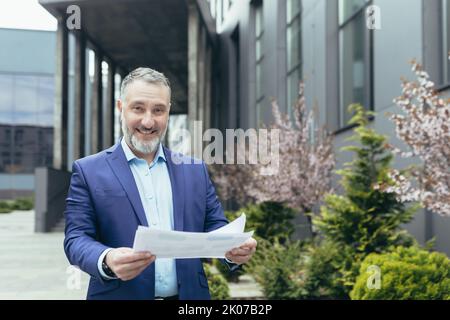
(193, 39)
(108, 132)
(61, 97)
(96, 110)
(80, 95)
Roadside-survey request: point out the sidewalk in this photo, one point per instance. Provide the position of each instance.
(34, 266)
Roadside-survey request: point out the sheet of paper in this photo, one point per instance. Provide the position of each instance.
(236, 226)
(183, 245)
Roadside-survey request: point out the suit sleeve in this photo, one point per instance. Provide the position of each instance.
(80, 244)
(215, 217)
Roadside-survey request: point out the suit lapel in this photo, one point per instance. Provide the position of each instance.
(176, 174)
(119, 165)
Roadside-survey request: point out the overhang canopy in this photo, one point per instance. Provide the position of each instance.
(135, 33)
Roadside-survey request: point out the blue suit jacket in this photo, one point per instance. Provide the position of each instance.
(103, 210)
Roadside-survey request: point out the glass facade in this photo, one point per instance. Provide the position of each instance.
(294, 51)
(354, 52)
(259, 58)
(446, 40)
(26, 129)
(26, 122)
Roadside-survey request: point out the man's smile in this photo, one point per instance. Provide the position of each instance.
(147, 133)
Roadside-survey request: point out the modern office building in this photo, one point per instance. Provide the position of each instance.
(27, 71)
(227, 59)
(268, 46)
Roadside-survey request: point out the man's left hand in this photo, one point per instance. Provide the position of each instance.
(243, 253)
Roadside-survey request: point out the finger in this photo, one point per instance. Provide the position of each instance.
(132, 257)
(135, 264)
(251, 243)
(131, 274)
(240, 252)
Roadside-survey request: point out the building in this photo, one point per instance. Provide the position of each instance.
(267, 46)
(26, 108)
(226, 59)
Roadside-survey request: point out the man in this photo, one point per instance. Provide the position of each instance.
(134, 183)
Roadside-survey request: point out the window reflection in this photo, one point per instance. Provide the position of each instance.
(26, 118)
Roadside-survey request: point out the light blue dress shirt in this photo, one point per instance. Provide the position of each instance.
(155, 190)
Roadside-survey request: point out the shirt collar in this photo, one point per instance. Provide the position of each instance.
(130, 155)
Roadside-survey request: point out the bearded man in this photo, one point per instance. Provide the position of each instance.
(136, 182)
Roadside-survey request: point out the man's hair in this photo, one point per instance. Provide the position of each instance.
(147, 75)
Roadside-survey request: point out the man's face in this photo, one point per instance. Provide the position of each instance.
(144, 115)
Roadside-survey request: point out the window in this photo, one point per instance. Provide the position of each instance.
(293, 42)
(117, 129)
(259, 58)
(212, 7)
(26, 104)
(446, 40)
(355, 57)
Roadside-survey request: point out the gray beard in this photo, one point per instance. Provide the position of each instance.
(143, 147)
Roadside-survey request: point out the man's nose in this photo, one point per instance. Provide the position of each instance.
(148, 120)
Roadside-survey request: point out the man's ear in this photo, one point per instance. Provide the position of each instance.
(119, 105)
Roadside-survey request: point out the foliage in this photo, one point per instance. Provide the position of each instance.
(23, 204)
(230, 276)
(406, 273)
(304, 171)
(364, 219)
(270, 220)
(279, 269)
(7, 206)
(424, 127)
(218, 286)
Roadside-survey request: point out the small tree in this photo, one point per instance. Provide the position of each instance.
(305, 169)
(425, 128)
(365, 219)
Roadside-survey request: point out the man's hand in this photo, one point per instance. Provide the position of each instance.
(127, 264)
(243, 253)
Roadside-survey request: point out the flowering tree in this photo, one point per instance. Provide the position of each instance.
(424, 127)
(305, 168)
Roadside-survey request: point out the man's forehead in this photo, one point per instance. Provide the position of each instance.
(138, 90)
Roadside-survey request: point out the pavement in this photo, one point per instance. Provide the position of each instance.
(33, 266)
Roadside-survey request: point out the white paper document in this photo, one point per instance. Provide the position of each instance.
(180, 245)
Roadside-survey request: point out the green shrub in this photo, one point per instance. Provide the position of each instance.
(270, 220)
(364, 219)
(23, 204)
(278, 268)
(218, 286)
(5, 207)
(327, 269)
(406, 273)
(226, 273)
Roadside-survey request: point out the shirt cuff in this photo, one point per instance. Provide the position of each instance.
(231, 265)
(99, 265)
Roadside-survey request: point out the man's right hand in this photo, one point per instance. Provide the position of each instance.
(127, 264)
